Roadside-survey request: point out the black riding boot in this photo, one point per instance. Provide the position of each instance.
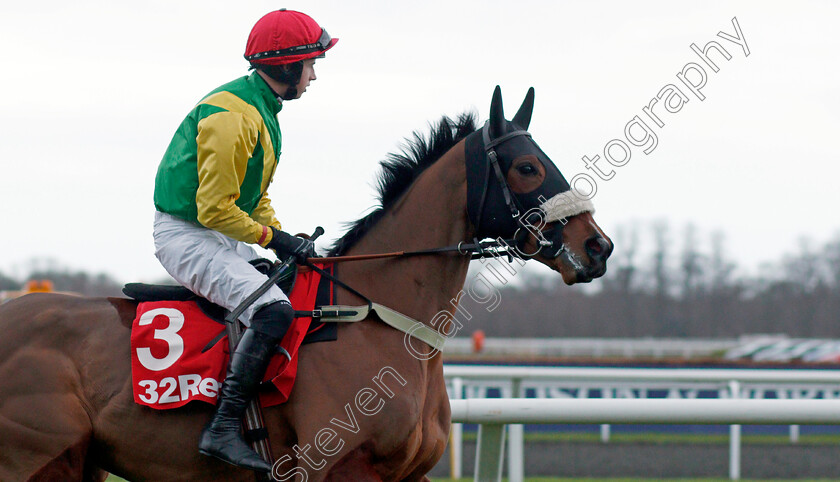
(222, 438)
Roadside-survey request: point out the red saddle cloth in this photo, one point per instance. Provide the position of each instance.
(169, 369)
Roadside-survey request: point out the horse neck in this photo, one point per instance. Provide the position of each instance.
(432, 213)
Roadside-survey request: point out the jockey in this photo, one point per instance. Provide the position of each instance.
(211, 200)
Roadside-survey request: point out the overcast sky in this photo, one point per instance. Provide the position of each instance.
(92, 92)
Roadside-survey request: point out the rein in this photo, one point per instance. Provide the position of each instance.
(477, 249)
(395, 319)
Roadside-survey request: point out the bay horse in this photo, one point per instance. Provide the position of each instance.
(365, 407)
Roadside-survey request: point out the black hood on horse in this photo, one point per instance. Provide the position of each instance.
(494, 204)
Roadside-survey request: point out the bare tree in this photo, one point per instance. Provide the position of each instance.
(620, 278)
(692, 264)
(720, 270)
(7, 283)
(661, 279)
(831, 258)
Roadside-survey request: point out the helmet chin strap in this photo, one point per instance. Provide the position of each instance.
(291, 84)
(291, 94)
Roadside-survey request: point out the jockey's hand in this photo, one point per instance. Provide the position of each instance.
(284, 243)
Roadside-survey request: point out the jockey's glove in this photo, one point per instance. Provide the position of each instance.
(284, 244)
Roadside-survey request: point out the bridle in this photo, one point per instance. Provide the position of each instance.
(549, 242)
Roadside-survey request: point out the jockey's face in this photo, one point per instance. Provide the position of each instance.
(288, 91)
(307, 76)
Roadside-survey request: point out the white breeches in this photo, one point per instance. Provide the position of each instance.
(211, 264)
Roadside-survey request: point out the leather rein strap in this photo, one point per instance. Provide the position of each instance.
(478, 250)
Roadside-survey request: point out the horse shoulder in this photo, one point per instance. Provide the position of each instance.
(386, 409)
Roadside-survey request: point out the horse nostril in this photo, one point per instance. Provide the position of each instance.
(598, 248)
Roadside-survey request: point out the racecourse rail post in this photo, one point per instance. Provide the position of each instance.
(516, 442)
(253, 414)
(490, 452)
(735, 437)
(794, 434)
(456, 434)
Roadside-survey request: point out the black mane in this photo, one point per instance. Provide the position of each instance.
(399, 171)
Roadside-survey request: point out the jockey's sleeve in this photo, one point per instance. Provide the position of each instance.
(264, 213)
(225, 142)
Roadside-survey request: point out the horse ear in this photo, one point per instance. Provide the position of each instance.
(497, 114)
(523, 116)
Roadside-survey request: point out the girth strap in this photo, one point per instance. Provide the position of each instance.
(392, 318)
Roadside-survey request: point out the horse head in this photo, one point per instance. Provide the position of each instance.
(515, 191)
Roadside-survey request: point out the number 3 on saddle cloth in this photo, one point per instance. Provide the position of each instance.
(178, 353)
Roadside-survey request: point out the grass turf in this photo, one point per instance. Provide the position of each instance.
(114, 478)
(647, 438)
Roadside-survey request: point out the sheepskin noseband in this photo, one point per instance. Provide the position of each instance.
(565, 205)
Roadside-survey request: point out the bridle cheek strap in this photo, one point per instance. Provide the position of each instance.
(492, 157)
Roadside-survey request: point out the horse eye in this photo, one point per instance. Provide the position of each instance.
(526, 169)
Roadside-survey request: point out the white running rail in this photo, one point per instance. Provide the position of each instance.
(575, 384)
(492, 414)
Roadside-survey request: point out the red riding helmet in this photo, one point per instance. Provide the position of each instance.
(286, 36)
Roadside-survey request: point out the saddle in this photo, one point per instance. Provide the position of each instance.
(318, 331)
